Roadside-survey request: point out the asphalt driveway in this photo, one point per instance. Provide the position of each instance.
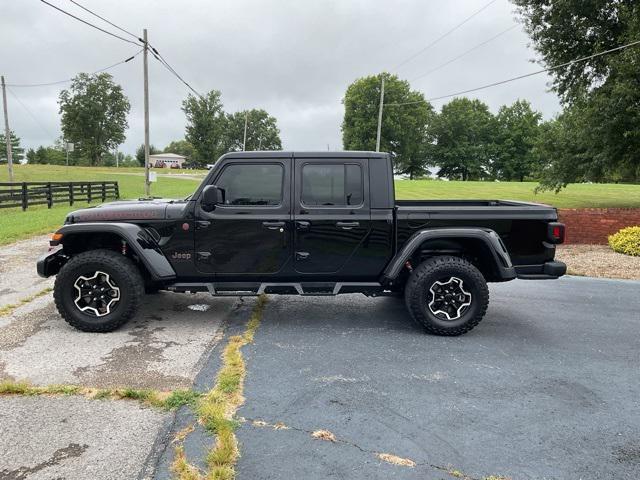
(547, 387)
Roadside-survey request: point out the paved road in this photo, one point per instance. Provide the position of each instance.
(18, 276)
(164, 348)
(547, 387)
(75, 438)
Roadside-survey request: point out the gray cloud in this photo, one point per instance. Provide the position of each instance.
(293, 58)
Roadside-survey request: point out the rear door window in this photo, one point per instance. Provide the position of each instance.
(332, 185)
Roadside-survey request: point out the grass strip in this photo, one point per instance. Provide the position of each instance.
(9, 309)
(152, 398)
(216, 409)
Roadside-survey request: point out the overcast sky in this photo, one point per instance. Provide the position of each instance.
(293, 58)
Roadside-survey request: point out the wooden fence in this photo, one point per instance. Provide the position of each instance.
(25, 194)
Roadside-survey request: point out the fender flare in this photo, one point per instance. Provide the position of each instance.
(137, 240)
(501, 259)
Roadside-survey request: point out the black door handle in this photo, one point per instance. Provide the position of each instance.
(347, 225)
(273, 225)
(202, 224)
(303, 225)
(302, 255)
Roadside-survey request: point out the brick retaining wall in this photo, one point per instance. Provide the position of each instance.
(594, 225)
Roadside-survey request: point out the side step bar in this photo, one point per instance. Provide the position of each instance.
(236, 289)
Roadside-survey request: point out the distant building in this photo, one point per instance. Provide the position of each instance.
(166, 160)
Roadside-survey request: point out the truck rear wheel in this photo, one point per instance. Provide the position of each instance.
(447, 295)
(98, 290)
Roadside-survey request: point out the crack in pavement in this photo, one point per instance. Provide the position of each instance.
(135, 358)
(70, 451)
(257, 423)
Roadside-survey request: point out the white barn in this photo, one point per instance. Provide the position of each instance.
(166, 160)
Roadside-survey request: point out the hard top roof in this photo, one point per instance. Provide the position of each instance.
(295, 154)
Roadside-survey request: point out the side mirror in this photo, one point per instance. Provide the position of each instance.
(212, 196)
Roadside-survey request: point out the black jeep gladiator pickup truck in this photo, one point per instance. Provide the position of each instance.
(300, 223)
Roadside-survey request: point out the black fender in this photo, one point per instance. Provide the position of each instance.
(501, 261)
(136, 238)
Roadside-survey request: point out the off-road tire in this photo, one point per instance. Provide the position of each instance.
(123, 272)
(434, 269)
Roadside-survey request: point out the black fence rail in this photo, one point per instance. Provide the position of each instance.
(26, 194)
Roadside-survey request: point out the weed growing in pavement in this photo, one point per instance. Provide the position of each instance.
(8, 309)
(165, 400)
(217, 407)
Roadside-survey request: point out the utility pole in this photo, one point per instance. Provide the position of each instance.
(7, 132)
(147, 184)
(380, 115)
(246, 120)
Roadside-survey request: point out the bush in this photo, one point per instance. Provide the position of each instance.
(626, 241)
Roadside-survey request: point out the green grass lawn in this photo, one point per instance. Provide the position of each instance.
(16, 224)
(574, 196)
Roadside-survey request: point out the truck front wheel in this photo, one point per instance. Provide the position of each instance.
(98, 290)
(447, 295)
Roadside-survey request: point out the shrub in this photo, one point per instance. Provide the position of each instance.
(626, 241)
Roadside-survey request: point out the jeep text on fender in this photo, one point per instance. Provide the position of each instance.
(300, 223)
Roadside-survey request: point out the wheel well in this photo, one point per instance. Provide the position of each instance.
(472, 249)
(81, 242)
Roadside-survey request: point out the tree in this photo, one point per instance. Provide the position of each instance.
(17, 152)
(405, 128)
(206, 122)
(94, 114)
(140, 153)
(32, 158)
(564, 150)
(601, 93)
(180, 147)
(262, 131)
(464, 135)
(518, 127)
(46, 155)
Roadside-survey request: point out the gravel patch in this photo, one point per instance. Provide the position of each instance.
(598, 261)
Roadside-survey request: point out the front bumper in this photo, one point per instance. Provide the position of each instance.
(545, 271)
(51, 262)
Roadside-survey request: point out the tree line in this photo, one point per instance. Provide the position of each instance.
(94, 119)
(596, 137)
(464, 141)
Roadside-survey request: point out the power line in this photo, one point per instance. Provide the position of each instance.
(156, 54)
(444, 35)
(154, 51)
(88, 23)
(520, 77)
(27, 85)
(31, 114)
(464, 53)
(105, 20)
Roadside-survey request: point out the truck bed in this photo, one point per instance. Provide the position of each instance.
(473, 209)
(522, 226)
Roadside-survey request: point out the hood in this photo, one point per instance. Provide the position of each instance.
(126, 210)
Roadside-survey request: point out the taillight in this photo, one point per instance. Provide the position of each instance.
(555, 232)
